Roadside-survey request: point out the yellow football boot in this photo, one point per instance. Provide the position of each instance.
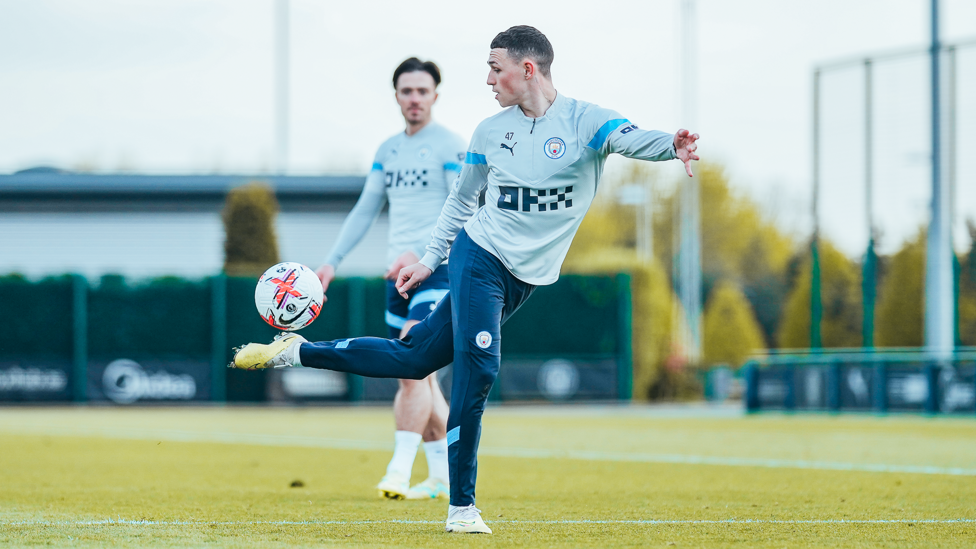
(280, 353)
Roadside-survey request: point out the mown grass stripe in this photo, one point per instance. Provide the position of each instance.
(172, 435)
(125, 522)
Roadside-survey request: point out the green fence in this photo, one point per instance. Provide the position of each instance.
(866, 380)
(169, 340)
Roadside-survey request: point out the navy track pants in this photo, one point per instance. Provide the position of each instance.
(466, 327)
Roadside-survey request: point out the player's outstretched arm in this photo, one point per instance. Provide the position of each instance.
(685, 145)
(410, 277)
(357, 223)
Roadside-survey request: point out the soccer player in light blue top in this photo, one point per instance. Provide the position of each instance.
(541, 159)
(413, 172)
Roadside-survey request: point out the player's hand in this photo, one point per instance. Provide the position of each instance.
(326, 274)
(411, 277)
(685, 145)
(406, 258)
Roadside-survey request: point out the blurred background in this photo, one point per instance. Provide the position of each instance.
(802, 249)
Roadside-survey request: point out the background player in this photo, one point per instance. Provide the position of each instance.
(541, 160)
(413, 170)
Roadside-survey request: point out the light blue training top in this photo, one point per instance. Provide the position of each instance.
(542, 175)
(414, 173)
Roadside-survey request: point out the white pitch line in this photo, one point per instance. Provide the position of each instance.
(585, 455)
(126, 522)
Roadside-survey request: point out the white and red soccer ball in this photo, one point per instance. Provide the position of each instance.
(289, 296)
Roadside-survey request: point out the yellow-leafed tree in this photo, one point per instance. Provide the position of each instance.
(901, 300)
(840, 296)
(738, 243)
(731, 331)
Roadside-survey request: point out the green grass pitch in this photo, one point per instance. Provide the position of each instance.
(588, 476)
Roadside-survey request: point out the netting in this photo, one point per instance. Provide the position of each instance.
(875, 119)
(37, 317)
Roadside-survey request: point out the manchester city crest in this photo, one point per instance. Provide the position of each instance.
(555, 148)
(483, 339)
(424, 152)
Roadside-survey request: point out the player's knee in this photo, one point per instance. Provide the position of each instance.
(482, 377)
(417, 367)
(414, 386)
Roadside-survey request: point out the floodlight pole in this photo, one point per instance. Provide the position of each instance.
(951, 161)
(868, 276)
(939, 307)
(282, 75)
(690, 250)
(816, 306)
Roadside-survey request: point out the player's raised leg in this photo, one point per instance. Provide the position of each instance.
(428, 347)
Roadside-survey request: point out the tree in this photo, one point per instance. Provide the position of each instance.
(605, 244)
(250, 244)
(738, 244)
(901, 299)
(840, 295)
(731, 331)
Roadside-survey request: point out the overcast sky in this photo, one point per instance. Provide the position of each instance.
(187, 86)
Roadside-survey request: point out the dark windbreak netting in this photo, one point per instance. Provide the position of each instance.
(167, 339)
(36, 317)
(36, 339)
(576, 315)
(164, 317)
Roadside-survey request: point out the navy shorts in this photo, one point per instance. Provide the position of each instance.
(421, 302)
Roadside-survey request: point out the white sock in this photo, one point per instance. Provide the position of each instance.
(297, 359)
(407, 444)
(436, 452)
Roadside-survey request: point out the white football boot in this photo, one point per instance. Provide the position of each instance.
(465, 520)
(432, 488)
(280, 353)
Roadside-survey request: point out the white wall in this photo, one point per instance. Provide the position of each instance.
(153, 244)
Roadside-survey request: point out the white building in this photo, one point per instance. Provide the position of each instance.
(151, 225)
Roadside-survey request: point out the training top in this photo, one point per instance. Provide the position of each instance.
(541, 176)
(414, 173)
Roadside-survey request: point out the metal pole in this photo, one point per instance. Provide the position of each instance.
(694, 271)
(625, 335)
(690, 219)
(218, 338)
(868, 279)
(868, 148)
(648, 206)
(938, 272)
(79, 371)
(282, 93)
(951, 133)
(816, 307)
(640, 213)
(951, 169)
